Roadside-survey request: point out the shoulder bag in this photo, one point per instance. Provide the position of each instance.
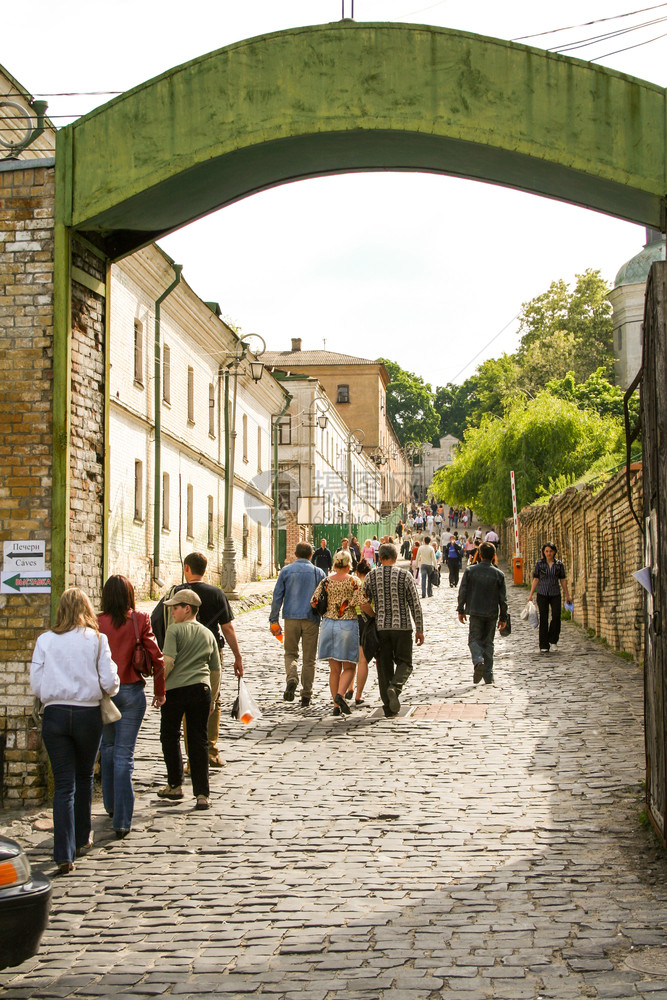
(108, 709)
(141, 661)
(322, 601)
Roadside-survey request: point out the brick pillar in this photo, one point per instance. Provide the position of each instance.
(26, 355)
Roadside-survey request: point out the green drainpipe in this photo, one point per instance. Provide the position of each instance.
(276, 420)
(157, 488)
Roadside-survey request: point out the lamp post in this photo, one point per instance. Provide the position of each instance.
(355, 441)
(412, 449)
(317, 417)
(233, 366)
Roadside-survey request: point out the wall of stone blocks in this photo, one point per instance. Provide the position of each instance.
(26, 359)
(601, 546)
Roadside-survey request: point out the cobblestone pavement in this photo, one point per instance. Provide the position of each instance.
(487, 844)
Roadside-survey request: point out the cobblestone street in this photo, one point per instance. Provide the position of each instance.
(486, 844)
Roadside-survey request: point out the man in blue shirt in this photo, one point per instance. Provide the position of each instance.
(294, 588)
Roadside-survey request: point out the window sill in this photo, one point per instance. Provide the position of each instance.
(138, 384)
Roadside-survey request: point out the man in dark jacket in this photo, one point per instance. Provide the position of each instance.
(322, 557)
(482, 595)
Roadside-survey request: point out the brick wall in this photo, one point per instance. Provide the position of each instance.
(26, 287)
(601, 546)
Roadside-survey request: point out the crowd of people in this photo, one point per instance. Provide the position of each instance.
(347, 608)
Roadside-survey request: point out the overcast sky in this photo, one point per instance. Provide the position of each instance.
(426, 270)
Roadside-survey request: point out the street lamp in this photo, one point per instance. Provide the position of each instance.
(233, 365)
(355, 443)
(412, 449)
(316, 415)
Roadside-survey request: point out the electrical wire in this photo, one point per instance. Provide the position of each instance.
(628, 47)
(583, 42)
(481, 351)
(587, 24)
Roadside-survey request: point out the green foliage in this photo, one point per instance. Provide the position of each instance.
(410, 405)
(540, 439)
(595, 393)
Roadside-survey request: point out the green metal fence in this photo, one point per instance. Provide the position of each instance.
(334, 533)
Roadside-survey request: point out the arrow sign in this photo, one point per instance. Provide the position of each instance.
(24, 555)
(26, 583)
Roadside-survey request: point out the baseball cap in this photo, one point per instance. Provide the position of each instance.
(184, 596)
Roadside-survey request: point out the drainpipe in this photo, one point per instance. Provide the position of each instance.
(157, 488)
(276, 420)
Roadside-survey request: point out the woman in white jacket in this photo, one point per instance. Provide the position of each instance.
(71, 667)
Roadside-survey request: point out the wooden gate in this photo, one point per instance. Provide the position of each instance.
(653, 411)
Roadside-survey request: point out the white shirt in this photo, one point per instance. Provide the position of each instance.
(64, 669)
(444, 539)
(426, 556)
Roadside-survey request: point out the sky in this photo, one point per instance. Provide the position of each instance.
(427, 270)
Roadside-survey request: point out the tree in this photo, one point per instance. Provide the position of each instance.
(584, 313)
(540, 439)
(410, 405)
(596, 393)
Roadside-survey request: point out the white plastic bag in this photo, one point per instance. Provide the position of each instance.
(530, 613)
(248, 710)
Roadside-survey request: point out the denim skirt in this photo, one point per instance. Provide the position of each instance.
(339, 640)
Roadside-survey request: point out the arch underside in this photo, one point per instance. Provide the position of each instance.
(215, 183)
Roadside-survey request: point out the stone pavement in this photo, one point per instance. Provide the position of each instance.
(487, 844)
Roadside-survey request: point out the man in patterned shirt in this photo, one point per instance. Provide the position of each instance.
(395, 599)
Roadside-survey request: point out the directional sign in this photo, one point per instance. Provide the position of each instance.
(23, 555)
(25, 583)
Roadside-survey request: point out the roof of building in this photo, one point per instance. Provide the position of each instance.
(635, 271)
(300, 359)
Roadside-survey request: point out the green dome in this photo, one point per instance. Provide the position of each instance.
(635, 271)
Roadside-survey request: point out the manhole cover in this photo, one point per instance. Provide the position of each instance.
(650, 960)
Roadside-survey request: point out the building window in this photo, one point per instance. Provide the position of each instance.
(190, 512)
(211, 410)
(259, 449)
(210, 523)
(285, 430)
(259, 542)
(138, 491)
(191, 395)
(138, 352)
(343, 394)
(245, 536)
(284, 495)
(166, 374)
(165, 501)
(245, 438)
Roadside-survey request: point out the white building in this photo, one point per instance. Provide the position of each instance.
(188, 450)
(627, 299)
(428, 459)
(324, 474)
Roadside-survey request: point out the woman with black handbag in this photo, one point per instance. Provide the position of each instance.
(135, 650)
(71, 671)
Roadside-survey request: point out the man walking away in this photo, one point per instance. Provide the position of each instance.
(322, 557)
(395, 598)
(192, 680)
(482, 596)
(427, 564)
(294, 588)
(216, 614)
(453, 560)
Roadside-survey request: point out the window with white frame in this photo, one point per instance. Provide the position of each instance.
(209, 535)
(285, 430)
(259, 449)
(259, 542)
(245, 437)
(190, 511)
(138, 490)
(166, 500)
(166, 374)
(139, 352)
(211, 409)
(245, 536)
(191, 395)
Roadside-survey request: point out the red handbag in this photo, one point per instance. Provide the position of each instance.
(141, 661)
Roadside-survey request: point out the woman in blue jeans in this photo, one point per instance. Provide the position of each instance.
(71, 668)
(117, 623)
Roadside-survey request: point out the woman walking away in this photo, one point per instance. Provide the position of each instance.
(339, 631)
(71, 669)
(548, 578)
(363, 569)
(117, 622)
(453, 561)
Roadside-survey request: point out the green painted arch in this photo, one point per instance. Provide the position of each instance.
(356, 97)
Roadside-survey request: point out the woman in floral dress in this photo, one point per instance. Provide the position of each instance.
(339, 631)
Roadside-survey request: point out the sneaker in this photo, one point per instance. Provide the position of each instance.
(121, 834)
(544, 651)
(203, 802)
(216, 761)
(290, 688)
(305, 700)
(392, 698)
(342, 704)
(478, 673)
(170, 792)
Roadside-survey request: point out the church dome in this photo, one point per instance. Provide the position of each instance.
(635, 271)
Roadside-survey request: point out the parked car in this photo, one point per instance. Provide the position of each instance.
(25, 900)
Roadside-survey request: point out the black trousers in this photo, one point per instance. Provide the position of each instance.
(193, 702)
(549, 630)
(393, 661)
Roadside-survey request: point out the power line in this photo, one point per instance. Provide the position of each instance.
(495, 337)
(628, 47)
(583, 42)
(587, 24)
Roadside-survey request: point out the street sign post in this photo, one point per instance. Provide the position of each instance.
(517, 562)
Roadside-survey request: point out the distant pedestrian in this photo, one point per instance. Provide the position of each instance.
(492, 536)
(71, 669)
(339, 631)
(322, 557)
(391, 596)
(368, 552)
(548, 578)
(453, 561)
(121, 623)
(345, 547)
(483, 597)
(427, 565)
(292, 593)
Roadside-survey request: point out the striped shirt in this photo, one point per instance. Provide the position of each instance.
(548, 577)
(393, 593)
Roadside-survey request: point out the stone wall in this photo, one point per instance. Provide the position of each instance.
(26, 360)
(601, 546)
